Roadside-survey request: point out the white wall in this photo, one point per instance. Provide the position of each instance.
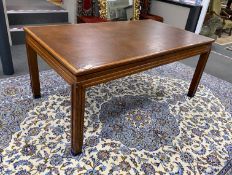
(71, 7)
(174, 15)
(177, 15)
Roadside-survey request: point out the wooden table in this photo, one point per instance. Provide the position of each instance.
(88, 54)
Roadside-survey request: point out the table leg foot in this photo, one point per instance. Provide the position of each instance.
(37, 96)
(75, 153)
(190, 95)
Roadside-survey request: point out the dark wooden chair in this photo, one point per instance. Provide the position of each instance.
(88, 12)
(145, 9)
(215, 9)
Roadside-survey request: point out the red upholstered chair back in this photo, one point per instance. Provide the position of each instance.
(88, 12)
(145, 7)
(87, 8)
(87, 5)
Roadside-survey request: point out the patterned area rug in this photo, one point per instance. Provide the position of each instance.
(140, 124)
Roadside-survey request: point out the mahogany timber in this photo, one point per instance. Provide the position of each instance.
(88, 54)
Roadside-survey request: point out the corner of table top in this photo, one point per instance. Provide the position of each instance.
(27, 30)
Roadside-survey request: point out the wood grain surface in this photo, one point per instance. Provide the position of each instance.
(85, 48)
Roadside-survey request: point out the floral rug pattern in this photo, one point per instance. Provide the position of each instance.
(140, 124)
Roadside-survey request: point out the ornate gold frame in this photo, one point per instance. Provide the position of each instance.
(136, 5)
(103, 9)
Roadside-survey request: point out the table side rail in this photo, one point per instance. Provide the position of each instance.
(125, 70)
(51, 61)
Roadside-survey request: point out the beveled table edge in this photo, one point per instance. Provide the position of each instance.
(81, 71)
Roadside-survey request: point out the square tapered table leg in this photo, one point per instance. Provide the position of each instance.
(77, 118)
(34, 71)
(198, 73)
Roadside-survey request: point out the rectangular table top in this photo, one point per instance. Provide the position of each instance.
(82, 48)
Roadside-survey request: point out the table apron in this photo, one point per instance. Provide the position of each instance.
(92, 79)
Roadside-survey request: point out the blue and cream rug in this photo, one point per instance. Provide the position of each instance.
(140, 124)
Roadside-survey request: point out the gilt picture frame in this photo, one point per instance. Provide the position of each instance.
(103, 9)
